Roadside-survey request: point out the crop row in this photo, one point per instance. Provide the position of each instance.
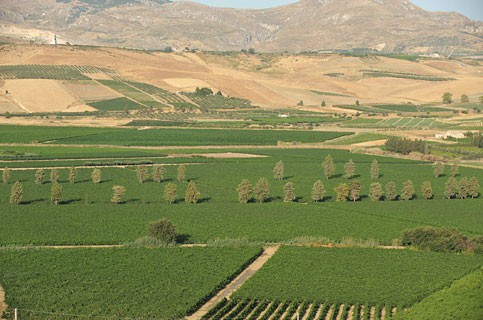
(218, 102)
(264, 310)
(163, 95)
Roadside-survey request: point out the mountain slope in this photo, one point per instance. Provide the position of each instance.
(387, 25)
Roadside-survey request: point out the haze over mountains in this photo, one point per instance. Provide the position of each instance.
(309, 25)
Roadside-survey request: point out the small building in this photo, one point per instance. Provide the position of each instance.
(283, 115)
(451, 134)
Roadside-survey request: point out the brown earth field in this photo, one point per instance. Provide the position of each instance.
(268, 80)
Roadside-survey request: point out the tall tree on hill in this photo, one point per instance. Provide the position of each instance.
(355, 190)
(328, 166)
(6, 175)
(170, 193)
(96, 176)
(142, 174)
(427, 190)
(289, 192)
(318, 191)
(192, 195)
(349, 169)
(117, 193)
(447, 98)
(451, 188)
(181, 177)
(54, 176)
(465, 98)
(39, 176)
(463, 188)
(438, 169)
(56, 193)
(16, 194)
(391, 191)
(474, 188)
(408, 191)
(375, 192)
(262, 190)
(244, 191)
(454, 169)
(278, 171)
(72, 174)
(158, 173)
(375, 170)
(342, 192)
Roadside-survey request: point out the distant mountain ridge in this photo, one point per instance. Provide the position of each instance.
(308, 25)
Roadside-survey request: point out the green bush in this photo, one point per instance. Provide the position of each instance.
(164, 231)
(435, 239)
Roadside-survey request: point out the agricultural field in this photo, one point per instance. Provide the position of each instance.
(117, 104)
(354, 276)
(158, 137)
(218, 102)
(157, 283)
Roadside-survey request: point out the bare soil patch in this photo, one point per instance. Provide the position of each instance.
(89, 90)
(3, 305)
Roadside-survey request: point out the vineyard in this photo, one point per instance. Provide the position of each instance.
(264, 310)
(163, 95)
(400, 75)
(53, 72)
(218, 102)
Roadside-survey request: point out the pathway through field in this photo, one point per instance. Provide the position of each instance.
(237, 283)
(3, 306)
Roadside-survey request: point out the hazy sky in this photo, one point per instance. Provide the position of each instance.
(470, 8)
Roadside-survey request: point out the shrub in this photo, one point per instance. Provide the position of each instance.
(435, 239)
(164, 231)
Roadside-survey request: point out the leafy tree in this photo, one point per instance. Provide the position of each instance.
(170, 193)
(427, 190)
(329, 166)
(375, 170)
(375, 192)
(318, 191)
(72, 174)
(355, 190)
(405, 146)
(261, 190)
(96, 176)
(465, 98)
(251, 51)
(481, 99)
(203, 92)
(56, 193)
(117, 193)
(158, 173)
(181, 177)
(278, 171)
(6, 175)
(438, 169)
(300, 103)
(192, 195)
(323, 104)
(463, 188)
(454, 169)
(342, 192)
(39, 176)
(451, 188)
(358, 103)
(391, 191)
(408, 191)
(289, 192)
(16, 193)
(474, 188)
(349, 169)
(164, 231)
(54, 176)
(447, 98)
(142, 174)
(244, 191)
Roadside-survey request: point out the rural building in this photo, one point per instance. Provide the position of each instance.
(451, 134)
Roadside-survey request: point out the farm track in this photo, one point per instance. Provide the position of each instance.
(3, 305)
(236, 283)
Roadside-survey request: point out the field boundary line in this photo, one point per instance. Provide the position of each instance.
(236, 283)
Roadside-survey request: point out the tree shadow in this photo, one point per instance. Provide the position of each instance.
(132, 201)
(71, 201)
(204, 200)
(183, 238)
(287, 177)
(32, 201)
(298, 199)
(336, 176)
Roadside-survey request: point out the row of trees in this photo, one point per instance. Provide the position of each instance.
(16, 193)
(406, 146)
(465, 188)
(349, 168)
(448, 98)
(142, 174)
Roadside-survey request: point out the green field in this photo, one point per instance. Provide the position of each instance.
(351, 275)
(220, 215)
(153, 283)
(460, 301)
(115, 105)
(359, 138)
(157, 137)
